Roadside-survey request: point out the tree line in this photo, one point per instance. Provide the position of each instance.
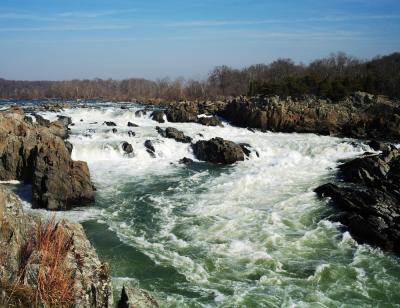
(332, 77)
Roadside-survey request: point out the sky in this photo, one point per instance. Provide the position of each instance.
(67, 39)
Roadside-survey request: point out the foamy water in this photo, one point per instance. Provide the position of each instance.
(248, 235)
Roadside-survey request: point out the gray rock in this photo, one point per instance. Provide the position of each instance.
(218, 150)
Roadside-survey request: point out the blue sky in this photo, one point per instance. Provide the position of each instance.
(65, 39)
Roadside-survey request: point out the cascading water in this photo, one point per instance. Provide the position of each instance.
(248, 235)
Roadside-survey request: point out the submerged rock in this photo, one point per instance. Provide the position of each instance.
(130, 124)
(185, 160)
(218, 150)
(110, 123)
(131, 134)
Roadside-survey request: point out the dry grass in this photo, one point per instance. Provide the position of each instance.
(46, 248)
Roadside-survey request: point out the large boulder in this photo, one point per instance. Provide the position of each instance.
(34, 154)
(173, 133)
(218, 150)
(158, 116)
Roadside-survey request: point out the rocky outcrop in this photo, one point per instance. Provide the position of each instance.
(158, 116)
(136, 298)
(369, 199)
(173, 133)
(32, 276)
(189, 112)
(218, 150)
(360, 115)
(35, 154)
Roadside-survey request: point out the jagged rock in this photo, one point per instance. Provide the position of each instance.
(136, 298)
(370, 206)
(33, 154)
(218, 150)
(59, 129)
(150, 148)
(130, 124)
(41, 121)
(91, 278)
(173, 133)
(69, 146)
(110, 123)
(127, 147)
(158, 116)
(209, 121)
(185, 160)
(379, 118)
(64, 119)
(182, 113)
(379, 146)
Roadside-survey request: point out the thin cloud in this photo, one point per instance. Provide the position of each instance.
(65, 28)
(333, 18)
(82, 14)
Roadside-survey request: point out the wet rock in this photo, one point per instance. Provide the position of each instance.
(158, 116)
(41, 121)
(378, 145)
(124, 107)
(127, 147)
(65, 120)
(182, 113)
(370, 206)
(110, 123)
(173, 133)
(33, 154)
(150, 148)
(130, 124)
(209, 121)
(114, 130)
(185, 160)
(218, 150)
(69, 146)
(136, 298)
(140, 113)
(131, 134)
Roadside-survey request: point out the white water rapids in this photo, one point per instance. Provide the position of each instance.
(248, 235)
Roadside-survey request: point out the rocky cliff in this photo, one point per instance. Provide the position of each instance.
(37, 154)
(360, 115)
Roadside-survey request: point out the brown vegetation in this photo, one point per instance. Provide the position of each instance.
(43, 277)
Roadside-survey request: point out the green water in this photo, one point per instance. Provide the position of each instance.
(252, 234)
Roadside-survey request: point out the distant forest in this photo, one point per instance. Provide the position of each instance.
(332, 77)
